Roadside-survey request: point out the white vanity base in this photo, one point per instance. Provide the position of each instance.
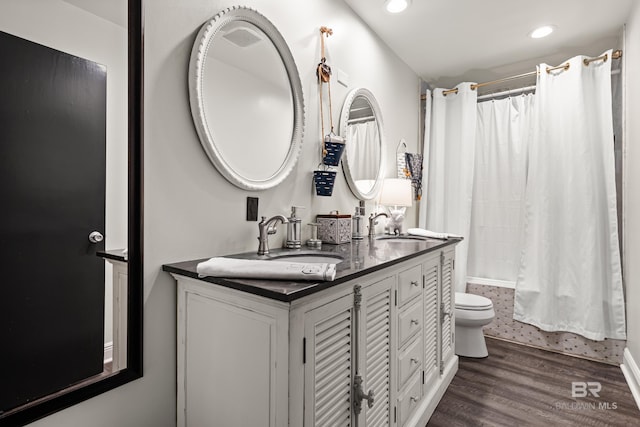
(248, 360)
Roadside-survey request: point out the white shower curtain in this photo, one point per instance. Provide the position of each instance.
(450, 148)
(570, 275)
(362, 139)
(502, 139)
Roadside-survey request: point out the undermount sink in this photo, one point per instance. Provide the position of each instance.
(403, 239)
(309, 257)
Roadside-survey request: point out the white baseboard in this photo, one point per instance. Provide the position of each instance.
(631, 374)
(108, 352)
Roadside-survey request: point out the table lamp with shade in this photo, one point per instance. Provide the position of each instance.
(396, 195)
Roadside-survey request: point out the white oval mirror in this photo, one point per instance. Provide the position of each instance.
(363, 160)
(246, 98)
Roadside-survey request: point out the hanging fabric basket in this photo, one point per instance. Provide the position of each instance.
(324, 181)
(333, 149)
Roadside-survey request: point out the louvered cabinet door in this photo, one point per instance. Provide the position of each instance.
(376, 351)
(447, 305)
(431, 273)
(329, 364)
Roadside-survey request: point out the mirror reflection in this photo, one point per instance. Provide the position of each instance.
(63, 174)
(244, 80)
(361, 125)
(246, 99)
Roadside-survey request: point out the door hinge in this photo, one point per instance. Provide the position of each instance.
(422, 377)
(304, 350)
(395, 414)
(453, 264)
(395, 297)
(424, 280)
(441, 258)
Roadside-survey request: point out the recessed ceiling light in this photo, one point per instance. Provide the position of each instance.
(540, 32)
(396, 6)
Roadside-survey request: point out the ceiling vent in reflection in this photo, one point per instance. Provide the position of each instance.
(242, 36)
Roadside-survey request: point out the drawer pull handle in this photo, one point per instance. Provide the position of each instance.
(444, 312)
(414, 360)
(359, 395)
(414, 283)
(413, 399)
(415, 322)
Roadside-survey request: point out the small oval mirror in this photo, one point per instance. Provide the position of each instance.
(246, 98)
(363, 161)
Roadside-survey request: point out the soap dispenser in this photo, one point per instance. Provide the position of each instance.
(294, 229)
(357, 222)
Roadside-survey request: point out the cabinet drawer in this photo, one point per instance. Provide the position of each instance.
(409, 284)
(409, 399)
(409, 361)
(409, 322)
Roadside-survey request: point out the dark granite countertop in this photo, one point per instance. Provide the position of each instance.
(360, 257)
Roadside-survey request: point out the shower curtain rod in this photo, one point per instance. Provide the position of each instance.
(615, 55)
(361, 120)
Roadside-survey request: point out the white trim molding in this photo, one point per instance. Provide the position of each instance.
(631, 374)
(108, 352)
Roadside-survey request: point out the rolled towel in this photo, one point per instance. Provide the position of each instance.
(432, 234)
(261, 269)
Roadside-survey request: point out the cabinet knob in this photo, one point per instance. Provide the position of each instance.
(413, 399)
(445, 312)
(415, 322)
(414, 283)
(414, 360)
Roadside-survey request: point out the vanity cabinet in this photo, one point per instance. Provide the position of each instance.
(347, 349)
(374, 350)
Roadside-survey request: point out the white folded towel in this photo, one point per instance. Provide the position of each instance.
(432, 234)
(261, 269)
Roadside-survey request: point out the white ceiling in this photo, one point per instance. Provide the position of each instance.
(451, 41)
(114, 11)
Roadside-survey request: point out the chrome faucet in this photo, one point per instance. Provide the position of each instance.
(373, 222)
(266, 227)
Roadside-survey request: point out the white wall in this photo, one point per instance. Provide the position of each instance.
(191, 211)
(632, 171)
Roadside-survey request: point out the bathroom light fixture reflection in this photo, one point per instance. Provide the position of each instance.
(396, 6)
(540, 32)
(396, 192)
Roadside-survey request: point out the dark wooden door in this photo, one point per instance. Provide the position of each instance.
(52, 196)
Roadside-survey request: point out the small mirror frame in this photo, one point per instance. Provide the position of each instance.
(346, 168)
(196, 71)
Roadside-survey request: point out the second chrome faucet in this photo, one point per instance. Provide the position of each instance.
(373, 221)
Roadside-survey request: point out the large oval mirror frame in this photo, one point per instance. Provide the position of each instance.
(42, 407)
(246, 98)
(364, 157)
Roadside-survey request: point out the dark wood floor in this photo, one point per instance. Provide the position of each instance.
(523, 386)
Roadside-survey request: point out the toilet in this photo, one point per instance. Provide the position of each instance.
(472, 313)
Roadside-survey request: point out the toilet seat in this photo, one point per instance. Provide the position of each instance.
(473, 302)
